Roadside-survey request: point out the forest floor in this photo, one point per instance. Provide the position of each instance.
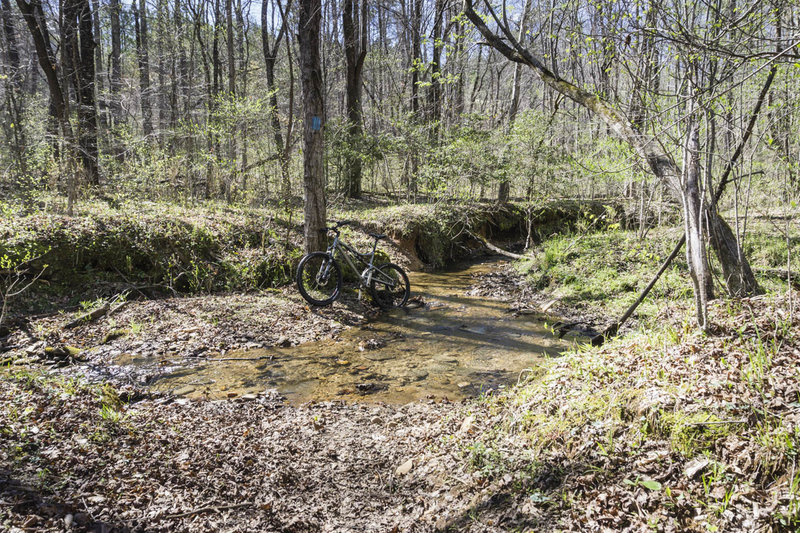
(664, 429)
(674, 431)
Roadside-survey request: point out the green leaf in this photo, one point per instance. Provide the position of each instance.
(651, 485)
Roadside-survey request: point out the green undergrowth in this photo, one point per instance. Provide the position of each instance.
(608, 269)
(603, 272)
(695, 428)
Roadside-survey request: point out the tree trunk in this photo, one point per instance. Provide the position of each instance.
(738, 276)
(116, 63)
(416, 66)
(216, 64)
(34, 19)
(270, 58)
(692, 202)
(87, 111)
(435, 88)
(233, 133)
(13, 126)
(78, 51)
(309, 20)
(181, 79)
(354, 25)
(229, 47)
(100, 95)
(140, 28)
(516, 85)
(11, 50)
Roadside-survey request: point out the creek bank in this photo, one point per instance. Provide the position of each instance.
(447, 344)
(149, 252)
(669, 430)
(151, 249)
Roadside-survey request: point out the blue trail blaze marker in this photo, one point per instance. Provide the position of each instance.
(316, 123)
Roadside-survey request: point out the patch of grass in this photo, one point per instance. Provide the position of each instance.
(692, 433)
(607, 270)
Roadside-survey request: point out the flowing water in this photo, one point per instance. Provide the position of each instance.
(454, 346)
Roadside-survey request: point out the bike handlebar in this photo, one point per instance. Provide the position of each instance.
(338, 225)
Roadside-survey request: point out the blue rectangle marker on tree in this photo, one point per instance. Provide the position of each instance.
(316, 123)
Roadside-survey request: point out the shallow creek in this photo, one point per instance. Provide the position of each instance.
(454, 346)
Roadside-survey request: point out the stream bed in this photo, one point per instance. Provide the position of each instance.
(453, 346)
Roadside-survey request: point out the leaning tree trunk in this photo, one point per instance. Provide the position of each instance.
(736, 272)
(660, 163)
(309, 20)
(34, 19)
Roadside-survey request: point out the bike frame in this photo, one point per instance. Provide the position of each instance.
(353, 256)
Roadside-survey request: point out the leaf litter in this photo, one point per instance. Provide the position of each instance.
(668, 431)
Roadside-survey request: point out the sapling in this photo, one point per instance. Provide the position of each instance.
(15, 279)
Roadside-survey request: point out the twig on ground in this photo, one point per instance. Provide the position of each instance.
(240, 358)
(717, 422)
(210, 508)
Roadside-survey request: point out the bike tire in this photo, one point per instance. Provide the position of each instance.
(386, 297)
(315, 291)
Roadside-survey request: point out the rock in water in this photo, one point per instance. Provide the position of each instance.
(371, 344)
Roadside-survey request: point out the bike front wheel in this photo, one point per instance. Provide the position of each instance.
(319, 278)
(389, 286)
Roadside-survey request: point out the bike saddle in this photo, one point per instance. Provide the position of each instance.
(377, 236)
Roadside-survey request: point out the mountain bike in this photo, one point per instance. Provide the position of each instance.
(319, 275)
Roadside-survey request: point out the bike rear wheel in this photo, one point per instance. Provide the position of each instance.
(389, 286)
(319, 278)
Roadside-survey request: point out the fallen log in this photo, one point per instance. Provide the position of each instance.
(497, 250)
(103, 310)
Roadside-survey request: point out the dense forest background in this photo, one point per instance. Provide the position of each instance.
(200, 99)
